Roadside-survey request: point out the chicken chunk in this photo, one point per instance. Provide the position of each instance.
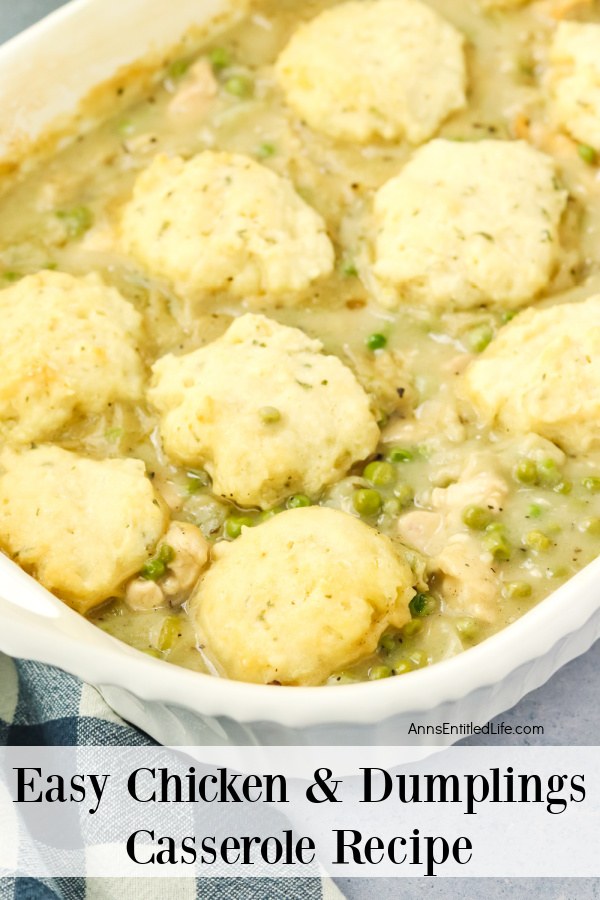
(480, 484)
(194, 97)
(423, 530)
(188, 553)
(191, 552)
(468, 584)
(142, 595)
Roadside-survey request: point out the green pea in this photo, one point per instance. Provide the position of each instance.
(178, 68)
(170, 630)
(219, 58)
(496, 528)
(234, 525)
(526, 471)
(239, 86)
(587, 154)
(548, 473)
(348, 268)
(422, 605)
(266, 150)
(297, 501)
(537, 540)
(388, 642)
(381, 474)
(400, 455)
(591, 526)
(563, 487)
(197, 480)
(153, 569)
(270, 513)
(404, 494)
(412, 628)
(367, 502)
(402, 666)
(166, 554)
(496, 543)
(476, 517)
(269, 415)
(376, 341)
(534, 511)
(467, 627)
(77, 220)
(592, 484)
(378, 672)
(517, 590)
(479, 338)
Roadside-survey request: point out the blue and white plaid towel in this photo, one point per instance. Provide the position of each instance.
(40, 706)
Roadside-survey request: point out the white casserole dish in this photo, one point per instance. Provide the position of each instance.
(75, 49)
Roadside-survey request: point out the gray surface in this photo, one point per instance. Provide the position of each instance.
(15, 15)
(567, 706)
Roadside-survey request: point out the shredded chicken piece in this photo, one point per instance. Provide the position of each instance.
(170, 493)
(197, 91)
(540, 449)
(191, 556)
(467, 582)
(434, 418)
(142, 595)
(385, 378)
(479, 485)
(423, 530)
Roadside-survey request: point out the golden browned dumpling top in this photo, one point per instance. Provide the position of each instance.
(300, 597)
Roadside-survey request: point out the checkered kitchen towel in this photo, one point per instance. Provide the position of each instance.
(39, 706)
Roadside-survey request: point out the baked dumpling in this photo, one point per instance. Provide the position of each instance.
(542, 374)
(363, 70)
(300, 596)
(68, 346)
(221, 221)
(81, 526)
(264, 411)
(503, 4)
(573, 80)
(450, 226)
